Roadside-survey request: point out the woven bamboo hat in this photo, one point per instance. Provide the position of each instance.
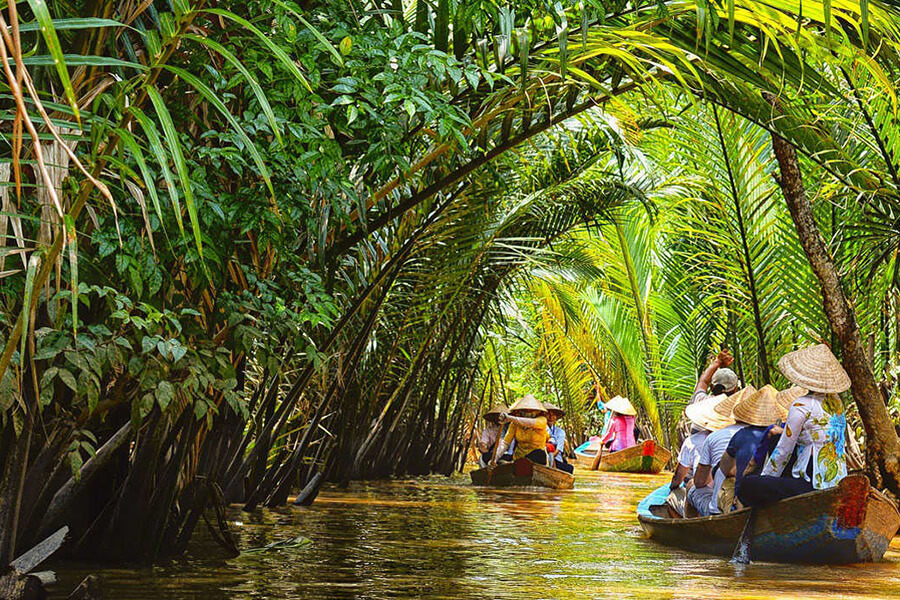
(816, 369)
(622, 406)
(703, 414)
(529, 402)
(785, 398)
(759, 408)
(552, 408)
(495, 411)
(724, 408)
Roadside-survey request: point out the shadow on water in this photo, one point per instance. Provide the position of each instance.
(442, 538)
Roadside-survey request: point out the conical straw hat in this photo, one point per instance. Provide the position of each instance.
(496, 409)
(759, 408)
(552, 408)
(703, 413)
(529, 402)
(785, 398)
(622, 406)
(724, 408)
(816, 369)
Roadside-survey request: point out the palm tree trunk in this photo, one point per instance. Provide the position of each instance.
(763, 359)
(882, 443)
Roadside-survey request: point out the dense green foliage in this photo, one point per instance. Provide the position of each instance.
(315, 240)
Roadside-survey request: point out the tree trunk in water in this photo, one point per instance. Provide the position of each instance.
(882, 443)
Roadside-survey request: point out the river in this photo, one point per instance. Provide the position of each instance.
(442, 538)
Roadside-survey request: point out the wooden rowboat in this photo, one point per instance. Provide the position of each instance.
(523, 473)
(646, 457)
(849, 523)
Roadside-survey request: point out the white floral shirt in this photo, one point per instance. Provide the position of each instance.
(818, 436)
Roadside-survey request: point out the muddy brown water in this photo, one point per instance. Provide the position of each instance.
(440, 537)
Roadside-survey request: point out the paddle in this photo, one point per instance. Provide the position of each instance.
(596, 464)
(741, 554)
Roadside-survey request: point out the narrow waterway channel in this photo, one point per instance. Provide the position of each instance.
(442, 538)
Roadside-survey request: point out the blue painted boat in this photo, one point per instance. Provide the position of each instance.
(850, 523)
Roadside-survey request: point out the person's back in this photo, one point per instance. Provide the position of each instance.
(704, 495)
(815, 428)
(689, 455)
(743, 446)
(621, 432)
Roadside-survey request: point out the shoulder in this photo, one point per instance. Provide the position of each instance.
(715, 436)
(804, 404)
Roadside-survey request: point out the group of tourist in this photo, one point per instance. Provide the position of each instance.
(528, 429)
(749, 447)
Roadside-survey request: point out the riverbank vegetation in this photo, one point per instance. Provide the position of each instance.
(246, 247)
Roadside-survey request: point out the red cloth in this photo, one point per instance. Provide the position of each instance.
(621, 433)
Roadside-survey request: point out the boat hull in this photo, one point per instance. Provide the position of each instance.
(850, 523)
(646, 457)
(523, 473)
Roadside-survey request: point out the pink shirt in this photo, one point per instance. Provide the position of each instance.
(621, 432)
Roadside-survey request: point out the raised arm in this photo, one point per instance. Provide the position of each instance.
(503, 445)
(723, 359)
(528, 423)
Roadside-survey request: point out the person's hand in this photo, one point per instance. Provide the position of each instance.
(724, 358)
(504, 417)
(775, 431)
(493, 463)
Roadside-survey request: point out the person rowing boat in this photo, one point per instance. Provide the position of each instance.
(527, 420)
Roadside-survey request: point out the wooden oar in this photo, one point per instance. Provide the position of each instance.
(741, 554)
(596, 464)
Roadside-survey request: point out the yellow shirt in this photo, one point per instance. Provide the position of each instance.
(528, 439)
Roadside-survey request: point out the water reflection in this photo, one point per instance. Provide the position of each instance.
(442, 538)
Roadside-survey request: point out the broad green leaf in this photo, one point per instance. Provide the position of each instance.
(165, 393)
(162, 160)
(48, 31)
(138, 156)
(33, 264)
(61, 24)
(864, 17)
(80, 60)
(72, 245)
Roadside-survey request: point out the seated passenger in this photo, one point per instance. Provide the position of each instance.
(490, 434)
(784, 398)
(527, 420)
(556, 445)
(760, 411)
(704, 493)
(621, 425)
(815, 427)
(704, 420)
